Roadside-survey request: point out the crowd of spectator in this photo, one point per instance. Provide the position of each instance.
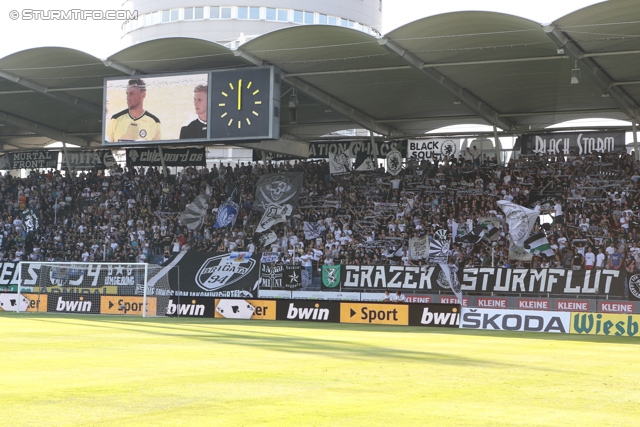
(132, 214)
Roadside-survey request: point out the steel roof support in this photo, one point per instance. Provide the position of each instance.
(352, 113)
(464, 96)
(591, 67)
(59, 96)
(43, 130)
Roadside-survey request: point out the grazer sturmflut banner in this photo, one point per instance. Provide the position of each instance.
(41, 159)
(211, 274)
(190, 156)
(579, 143)
(544, 281)
(89, 159)
(487, 280)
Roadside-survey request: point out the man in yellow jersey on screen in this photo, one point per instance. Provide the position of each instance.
(134, 123)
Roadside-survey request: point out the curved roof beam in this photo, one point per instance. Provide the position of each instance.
(357, 116)
(470, 100)
(120, 67)
(59, 96)
(43, 130)
(591, 67)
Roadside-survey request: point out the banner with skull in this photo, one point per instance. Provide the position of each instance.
(278, 189)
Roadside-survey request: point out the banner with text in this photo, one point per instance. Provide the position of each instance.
(191, 156)
(29, 160)
(433, 149)
(577, 143)
(80, 160)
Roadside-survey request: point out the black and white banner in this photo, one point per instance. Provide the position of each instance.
(30, 220)
(278, 189)
(418, 248)
(29, 160)
(192, 156)
(578, 143)
(394, 162)
(434, 149)
(515, 320)
(210, 274)
(533, 282)
(319, 150)
(340, 163)
(89, 159)
(544, 281)
(313, 230)
(439, 247)
(279, 276)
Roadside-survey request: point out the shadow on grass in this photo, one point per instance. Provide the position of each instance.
(273, 335)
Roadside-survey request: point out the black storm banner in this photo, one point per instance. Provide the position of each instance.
(192, 156)
(487, 280)
(29, 160)
(79, 160)
(211, 274)
(577, 143)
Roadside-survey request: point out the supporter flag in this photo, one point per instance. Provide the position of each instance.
(418, 247)
(516, 253)
(313, 230)
(265, 239)
(539, 244)
(30, 221)
(278, 189)
(520, 220)
(273, 215)
(472, 237)
(439, 246)
(331, 276)
(195, 213)
(450, 274)
(365, 162)
(227, 215)
(394, 162)
(339, 163)
(292, 276)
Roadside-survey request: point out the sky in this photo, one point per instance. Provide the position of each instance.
(102, 37)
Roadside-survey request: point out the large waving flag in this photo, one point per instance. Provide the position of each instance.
(450, 272)
(195, 213)
(227, 215)
(520, 220)
(539, 244)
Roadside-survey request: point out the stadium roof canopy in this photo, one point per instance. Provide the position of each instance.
(450, 69)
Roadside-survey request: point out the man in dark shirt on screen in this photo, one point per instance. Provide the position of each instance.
(198, 127)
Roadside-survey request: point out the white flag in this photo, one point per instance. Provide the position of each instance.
(520, 220)
(450, 271)
(274, 214)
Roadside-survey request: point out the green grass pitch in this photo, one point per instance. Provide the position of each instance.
(72, 370)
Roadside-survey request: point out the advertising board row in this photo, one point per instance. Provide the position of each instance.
(436, 315)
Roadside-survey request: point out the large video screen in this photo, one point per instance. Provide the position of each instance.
(221, 105)
(145, 110)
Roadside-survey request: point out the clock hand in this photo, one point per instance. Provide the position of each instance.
(239, 94)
